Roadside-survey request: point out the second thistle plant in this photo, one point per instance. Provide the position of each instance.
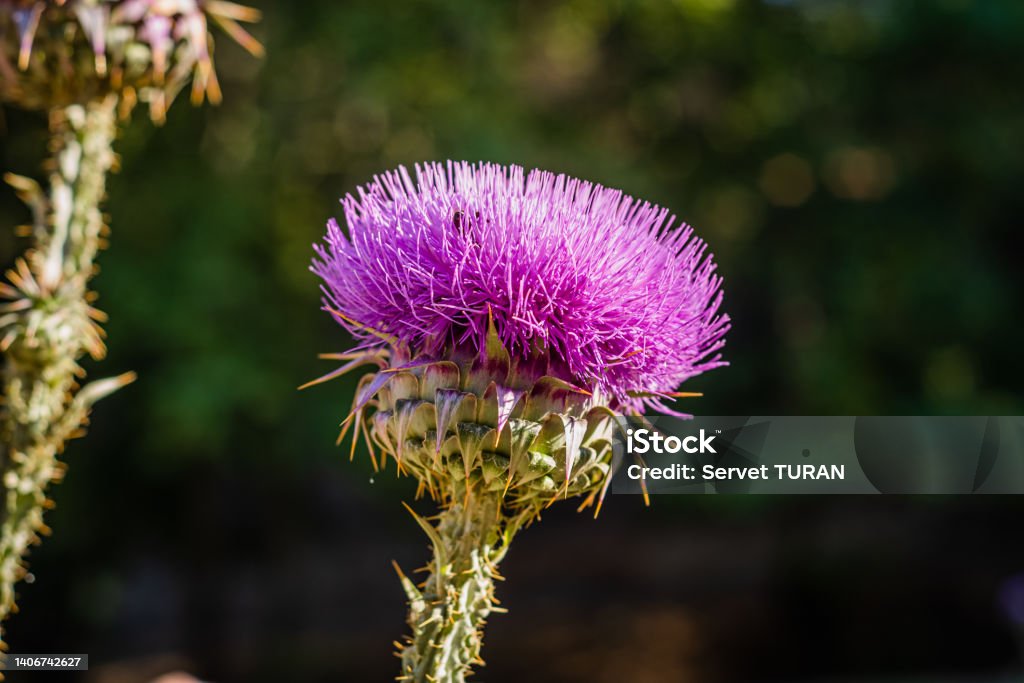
(509, 318)
(85, 63)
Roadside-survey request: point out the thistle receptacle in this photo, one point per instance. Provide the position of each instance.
(509, 318)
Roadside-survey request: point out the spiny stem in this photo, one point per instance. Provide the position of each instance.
(49, 324)
(447, 614)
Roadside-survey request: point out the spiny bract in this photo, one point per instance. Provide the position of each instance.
(489, 424)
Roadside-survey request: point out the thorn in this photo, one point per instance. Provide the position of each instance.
(587, 502)
(234, 11)
(354, 362)
(369, 447)
(94, 391)
(239, 34)
(345, 426)
(390, 339)
(27, 25)
(508, 482)
(355, 439)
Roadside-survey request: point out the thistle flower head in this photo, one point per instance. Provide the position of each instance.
(620, 301)
(57, 52)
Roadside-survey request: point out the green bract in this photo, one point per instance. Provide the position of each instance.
(487, 425)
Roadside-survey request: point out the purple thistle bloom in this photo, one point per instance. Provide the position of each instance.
(627, 305)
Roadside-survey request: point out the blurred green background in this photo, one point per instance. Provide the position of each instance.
(856, 168)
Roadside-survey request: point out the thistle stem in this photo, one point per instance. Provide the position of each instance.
(447, 614)
(49, 324)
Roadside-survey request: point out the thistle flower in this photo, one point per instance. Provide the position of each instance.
(511, 318)
(61, 52)
(625, 304)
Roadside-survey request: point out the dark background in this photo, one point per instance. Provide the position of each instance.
(856, 168)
